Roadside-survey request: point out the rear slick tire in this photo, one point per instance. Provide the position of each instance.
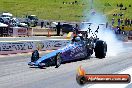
(100, 49)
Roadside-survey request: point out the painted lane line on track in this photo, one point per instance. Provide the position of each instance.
(129, 85)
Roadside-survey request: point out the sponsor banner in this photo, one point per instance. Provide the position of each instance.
(19, 31)
(28, 46)
(52, 44)
(16, 47)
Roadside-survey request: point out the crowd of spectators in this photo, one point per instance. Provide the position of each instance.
(121, 19)
(122, 22)
(73, 2)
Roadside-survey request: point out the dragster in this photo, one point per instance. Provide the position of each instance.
(80, 47)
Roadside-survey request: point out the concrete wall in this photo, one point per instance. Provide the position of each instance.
(29, 46)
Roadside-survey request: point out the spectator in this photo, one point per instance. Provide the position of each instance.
(125, 8)
(121, 6)
(76, 2)
(118, 30)
(126, 22)
(47, 24)
(72, 3)
(28, 24)
(122, 27)
(58, 27)
(76, 28)
(113, 21)
(119, 22)
(114, 14)
(42, 24)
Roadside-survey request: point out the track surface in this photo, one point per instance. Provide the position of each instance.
(15, 73)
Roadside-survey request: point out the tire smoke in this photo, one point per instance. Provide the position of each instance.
(98, 20)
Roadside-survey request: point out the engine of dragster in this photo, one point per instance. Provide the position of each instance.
(90, 34)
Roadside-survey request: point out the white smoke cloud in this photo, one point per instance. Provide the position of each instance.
(97, 19)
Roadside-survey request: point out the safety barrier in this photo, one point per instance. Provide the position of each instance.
(53, 44)
(129, 37)
(16, 47)
(44, 32)
(29, 46)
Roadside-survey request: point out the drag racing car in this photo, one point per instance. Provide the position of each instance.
(75, 50)
(79, 48)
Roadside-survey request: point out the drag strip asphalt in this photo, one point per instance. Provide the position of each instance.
(15, 73)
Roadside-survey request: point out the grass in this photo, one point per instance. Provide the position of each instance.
(56, 10)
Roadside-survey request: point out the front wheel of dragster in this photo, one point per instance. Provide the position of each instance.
(100, 49)
(58, 60)
(35, 56)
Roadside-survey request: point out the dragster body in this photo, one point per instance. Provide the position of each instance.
(77, 49)
(80, 47)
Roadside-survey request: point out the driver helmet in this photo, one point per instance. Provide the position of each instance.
(77, 39)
